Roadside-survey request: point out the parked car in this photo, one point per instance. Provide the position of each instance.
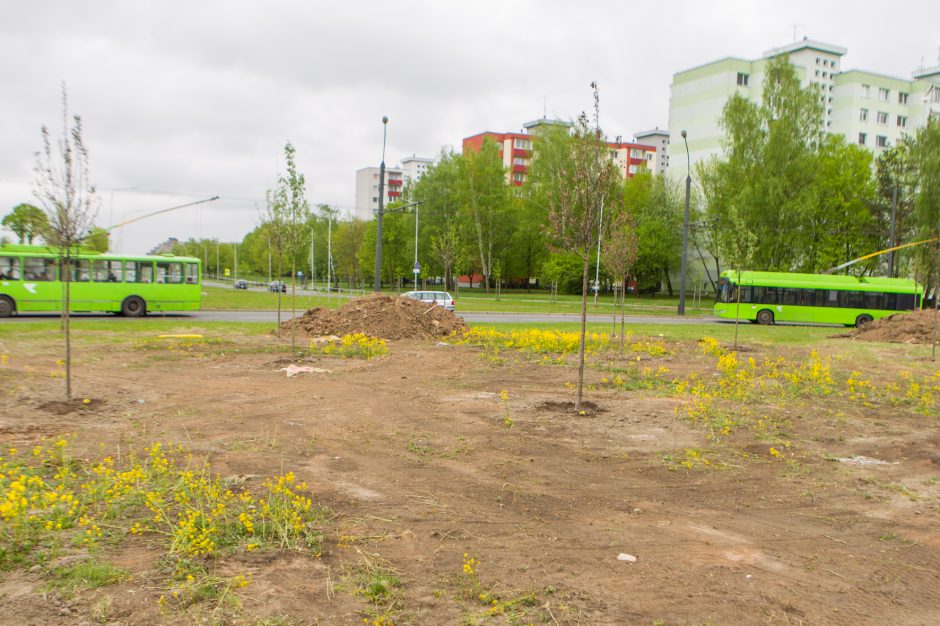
(241, 284)
(441, 298)
(278, 285)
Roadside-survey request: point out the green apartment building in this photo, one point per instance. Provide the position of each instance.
(870, 109)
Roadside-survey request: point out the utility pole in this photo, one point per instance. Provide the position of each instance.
(684, 264)
(217, 260)
(378, 215)
(236, 260)
(313, 277)
(417, 268)
(597, 265)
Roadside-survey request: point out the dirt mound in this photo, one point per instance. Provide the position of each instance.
(380, 315)
(913, 327)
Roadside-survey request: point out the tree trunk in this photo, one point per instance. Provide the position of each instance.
(293, 305)
(66, 318)
(584, 285)
(623, 300)
(278, 297)
(737, 313)
(668, 281)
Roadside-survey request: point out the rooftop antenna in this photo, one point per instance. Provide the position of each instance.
(796, 26)
(544, 107)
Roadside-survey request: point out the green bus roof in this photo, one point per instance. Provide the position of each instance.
(83, 253)
(824, 281)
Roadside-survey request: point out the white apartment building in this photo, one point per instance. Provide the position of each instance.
(870, 109)
(397, 178)
(659, 139)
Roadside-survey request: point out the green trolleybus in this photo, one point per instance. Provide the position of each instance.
(768, 297)
(31, 281)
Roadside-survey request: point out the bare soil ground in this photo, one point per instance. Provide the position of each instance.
(915, 327)
(413, 455)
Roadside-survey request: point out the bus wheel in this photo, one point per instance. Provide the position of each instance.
(133, 306)
(6, 306)
(863, 319)
(765, 317)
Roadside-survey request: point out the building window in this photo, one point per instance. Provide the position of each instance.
(742, 79)
(902, 97)
(633, 169)
(825, 74)
(636, 153)
(375, 198)
(861, 139)
(817, 73)
(818, 60)
(902, 121)
(882, 117)
(881, 141)
(865, 90)
(884, 94)
(863, 115)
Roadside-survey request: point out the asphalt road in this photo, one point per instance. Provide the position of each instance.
(471, 318)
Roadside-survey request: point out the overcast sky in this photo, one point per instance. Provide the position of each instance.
(183, 100)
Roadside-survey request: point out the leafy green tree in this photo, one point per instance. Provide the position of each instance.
(925, 157)
(766, 176)
(348, 238)
(655, 207)
(99, 239)
(441, 230)
(839, 223)
(484, 195)
(26, 221)
(618, 254)
(895, 178)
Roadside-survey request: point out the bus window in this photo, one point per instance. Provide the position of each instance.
(765, 295)
(874, 300)
(790, 296)
(891, 302)
(170, 273)
(745, 294)
(192, 273)
(107, 271)
(852, 300)
(37, 268)
(905, 301)
(807, 297)
(81, 270)
(9, 268)
(832, 298)
(138, 272)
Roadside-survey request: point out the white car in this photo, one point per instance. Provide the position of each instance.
(441, 298)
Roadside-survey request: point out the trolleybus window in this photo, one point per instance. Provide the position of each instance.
(37, 268)
(107, 271)
(81, 270)
(9, 268)
(170, 273)
(192, 273)
(138, 272)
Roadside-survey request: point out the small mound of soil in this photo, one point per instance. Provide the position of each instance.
(914, 327)
(587, 406)
(380, 315)
(61, 407)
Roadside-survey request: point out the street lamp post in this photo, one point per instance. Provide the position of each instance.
(378, 215)
(417, 268)
(684, 266)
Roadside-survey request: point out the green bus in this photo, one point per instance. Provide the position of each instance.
(31, 282)
(768, 297)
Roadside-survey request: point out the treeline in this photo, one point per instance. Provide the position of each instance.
(785, 196)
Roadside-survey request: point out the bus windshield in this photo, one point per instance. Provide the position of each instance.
(725, 292)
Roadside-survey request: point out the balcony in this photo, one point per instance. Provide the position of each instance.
(394, 194)
(519, 152)
(522, 169)
(395, 182)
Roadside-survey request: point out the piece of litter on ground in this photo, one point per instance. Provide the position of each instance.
(443, 344)
(862, 460)
(292, 370)
(629, 558)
